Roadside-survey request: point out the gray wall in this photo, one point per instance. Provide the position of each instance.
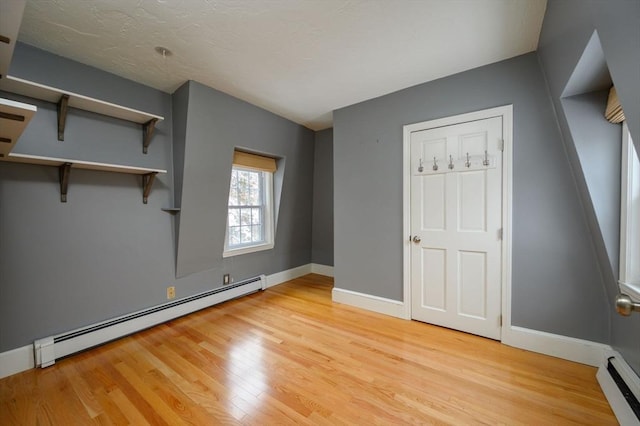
(322, 243)
(556, 284)
(104, 253)
(217, 123)
(592, 145)
(597, 148)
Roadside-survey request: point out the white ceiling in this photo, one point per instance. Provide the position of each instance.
(300, 59)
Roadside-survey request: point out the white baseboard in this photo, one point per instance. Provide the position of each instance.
(325, 270)
(16, 361)
(569, 348)
(616, 399)
(289, 274)
(381, 305)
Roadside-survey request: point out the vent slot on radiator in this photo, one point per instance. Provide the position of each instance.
(625, 390)
(47, 350)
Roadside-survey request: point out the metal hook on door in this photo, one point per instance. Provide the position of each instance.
(420, 168)
(451, 162)
(468, 162)
(485, 162)
(435, 164)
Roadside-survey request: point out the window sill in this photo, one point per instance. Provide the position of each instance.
(246, 250)
(630, 289)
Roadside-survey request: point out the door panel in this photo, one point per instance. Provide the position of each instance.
(472, 282)
(433, 203)
(472, 201)
(456, 196)
(434, 291)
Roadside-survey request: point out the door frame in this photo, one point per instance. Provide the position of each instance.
(506, 112)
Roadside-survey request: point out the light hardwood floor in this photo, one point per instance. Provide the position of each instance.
(289, 355)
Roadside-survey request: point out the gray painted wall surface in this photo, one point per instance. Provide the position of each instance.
(216, 124)
(555, 280)
(104, 253)
(179, 104)
(598, 148)
(33, 64)
(322, 243)
(567, 27)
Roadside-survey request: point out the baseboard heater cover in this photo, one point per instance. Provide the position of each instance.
(48, 349)
(621, 386)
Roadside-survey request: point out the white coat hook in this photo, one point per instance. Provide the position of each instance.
(420, 168)
(468, 162)
(435, 164)
(451, 162)
(485, 162)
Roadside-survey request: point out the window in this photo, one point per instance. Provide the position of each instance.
(630, 218)
(250, 206)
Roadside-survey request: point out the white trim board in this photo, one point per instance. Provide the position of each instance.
(506, 112)
(289, 274)
(319, 269)
(16, 361)
(377, 304)
(569, 348)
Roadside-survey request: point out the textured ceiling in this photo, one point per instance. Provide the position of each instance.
(300, 59)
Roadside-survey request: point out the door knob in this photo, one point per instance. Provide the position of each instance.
(625, 306)
(416, 239)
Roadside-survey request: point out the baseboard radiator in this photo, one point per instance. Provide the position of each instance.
(48, 349)
(621, 386)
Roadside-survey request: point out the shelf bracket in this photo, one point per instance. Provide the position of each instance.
(63, 107)
(147, 181)
(147, 132)
(63, 171)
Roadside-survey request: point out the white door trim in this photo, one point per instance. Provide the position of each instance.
(506, 112)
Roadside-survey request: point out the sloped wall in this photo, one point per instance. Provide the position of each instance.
(568, 27)
(217, 123)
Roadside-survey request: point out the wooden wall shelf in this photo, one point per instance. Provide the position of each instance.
(65, 165)
(65, 100)
(14, 117)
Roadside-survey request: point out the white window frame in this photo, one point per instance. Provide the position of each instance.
(629, 218)
(268, 220)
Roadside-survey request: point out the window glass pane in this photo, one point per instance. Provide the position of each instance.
(243, 181)
(245, 234)
(256, 216)
(256, 233)
(233, 196)
(254, 189)
(245, 216)
(234, 235)
(234, 217)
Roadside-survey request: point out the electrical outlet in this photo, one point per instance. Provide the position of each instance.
(226, 279)
(171, 292)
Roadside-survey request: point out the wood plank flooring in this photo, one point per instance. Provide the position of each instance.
(289, 355)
